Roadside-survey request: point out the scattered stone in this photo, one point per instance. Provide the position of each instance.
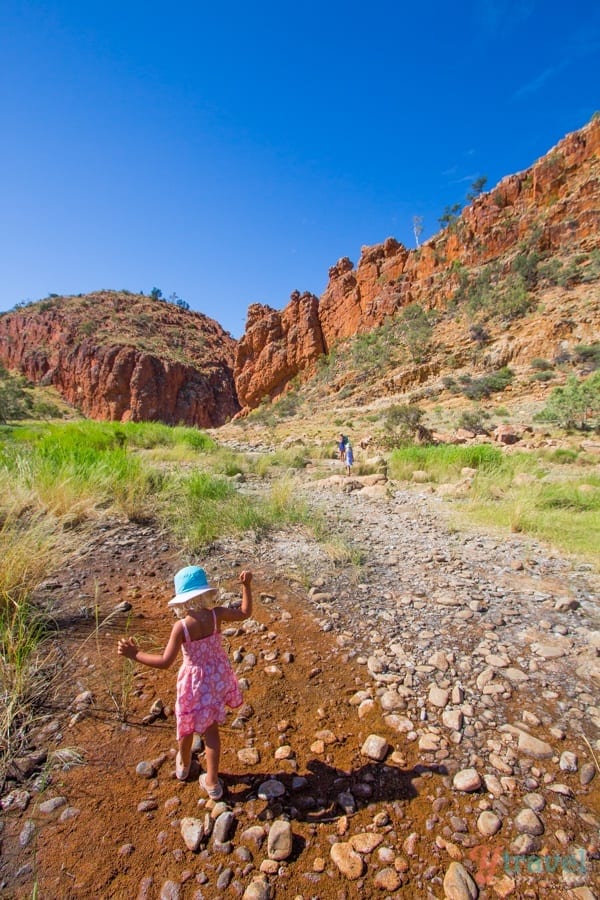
(50, 806)
(145, 769)
(527, 822)
(365, 842)
(348, 861)
(489, 823)
(458, 884)
(192, 832)
(375, 747)
(271, 789)
(467, 780)
(534, 747)
(248, 756)
(280, 839)
(387, 879)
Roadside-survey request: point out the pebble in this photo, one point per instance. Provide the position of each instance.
(348, 861)
(280, 840)
(375, 747)
(467, 780)
(458, 884)
(488, 823)
(527, 822)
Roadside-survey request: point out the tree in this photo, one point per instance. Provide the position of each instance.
(156, 294)
(574, 405)
(450, 215)
(403, 425)
(477, 187)
(15, 402)
(417, 228)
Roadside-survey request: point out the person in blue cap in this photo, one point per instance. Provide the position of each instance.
(206, 683)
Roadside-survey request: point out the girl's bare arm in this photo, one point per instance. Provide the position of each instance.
(245, 610)
(128, 647)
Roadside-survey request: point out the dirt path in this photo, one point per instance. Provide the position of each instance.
(472, 660)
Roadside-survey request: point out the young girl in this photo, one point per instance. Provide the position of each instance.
(349, 458)
(206, 683)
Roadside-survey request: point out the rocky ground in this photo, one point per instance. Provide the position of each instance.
(421, 721)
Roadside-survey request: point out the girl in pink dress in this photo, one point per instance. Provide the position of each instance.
(206, 683)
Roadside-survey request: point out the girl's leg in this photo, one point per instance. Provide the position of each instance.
(212, 742)
(185, 750)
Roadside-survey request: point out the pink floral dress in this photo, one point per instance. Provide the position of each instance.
(206, 684)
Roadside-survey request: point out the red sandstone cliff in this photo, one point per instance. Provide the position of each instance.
(125, 357)
(556, 203)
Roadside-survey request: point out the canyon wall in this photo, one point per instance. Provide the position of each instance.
(551, 207)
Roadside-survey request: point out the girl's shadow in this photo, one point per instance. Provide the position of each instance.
(327, 793)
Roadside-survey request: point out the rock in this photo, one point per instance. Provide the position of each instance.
(587, 773)
(347, 860)
(50, 806)
(453, 718)
(568, 761)
(145, 769)
(458, 884)
(387, 879)
(192, 832)
(254, 835)
(527, 822)
(271, 789)
(258, 889)
(532, 746)
(280, 839)
(365, 842)
(467, 780)
(170, 890)
(222, 827)
(438, 696)
(375, 747)
(249, 756)
(27, 832)
(489, 823)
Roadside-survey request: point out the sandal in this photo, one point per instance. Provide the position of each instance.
(181, 771)
(215, 792)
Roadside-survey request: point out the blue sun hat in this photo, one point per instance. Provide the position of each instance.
(192, 582)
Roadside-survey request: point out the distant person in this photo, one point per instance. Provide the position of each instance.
(206, 683)
(342, 441)
(349, 458)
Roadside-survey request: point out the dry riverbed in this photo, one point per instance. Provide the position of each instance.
(422, 725)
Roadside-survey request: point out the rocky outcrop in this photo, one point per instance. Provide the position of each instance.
(552, 206)
(275, 347)
(125, 357)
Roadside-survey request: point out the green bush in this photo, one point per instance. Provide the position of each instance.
(589, 354)
(543, 365)
(480, 388)
(574, 405)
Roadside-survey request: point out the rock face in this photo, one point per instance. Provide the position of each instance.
(125, 357)
(276, 346)
(556, 200)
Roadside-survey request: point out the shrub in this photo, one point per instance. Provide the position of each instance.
(574, 405)
(589, 354)
(480, 388)
(402, 423)
(542, 365)
(15, 401)
(474, 420)
(417, 327)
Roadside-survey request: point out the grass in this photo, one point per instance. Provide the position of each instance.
(442, 462)
(564, 511)
(31, 546)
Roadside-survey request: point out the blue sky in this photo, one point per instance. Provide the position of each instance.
(231, 153)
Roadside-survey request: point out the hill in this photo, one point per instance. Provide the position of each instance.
(122, 356)
(513, 279)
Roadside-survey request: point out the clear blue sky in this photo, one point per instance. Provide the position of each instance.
(231, 153)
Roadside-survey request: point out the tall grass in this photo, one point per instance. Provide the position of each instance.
(31, 546)
(442, 461)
